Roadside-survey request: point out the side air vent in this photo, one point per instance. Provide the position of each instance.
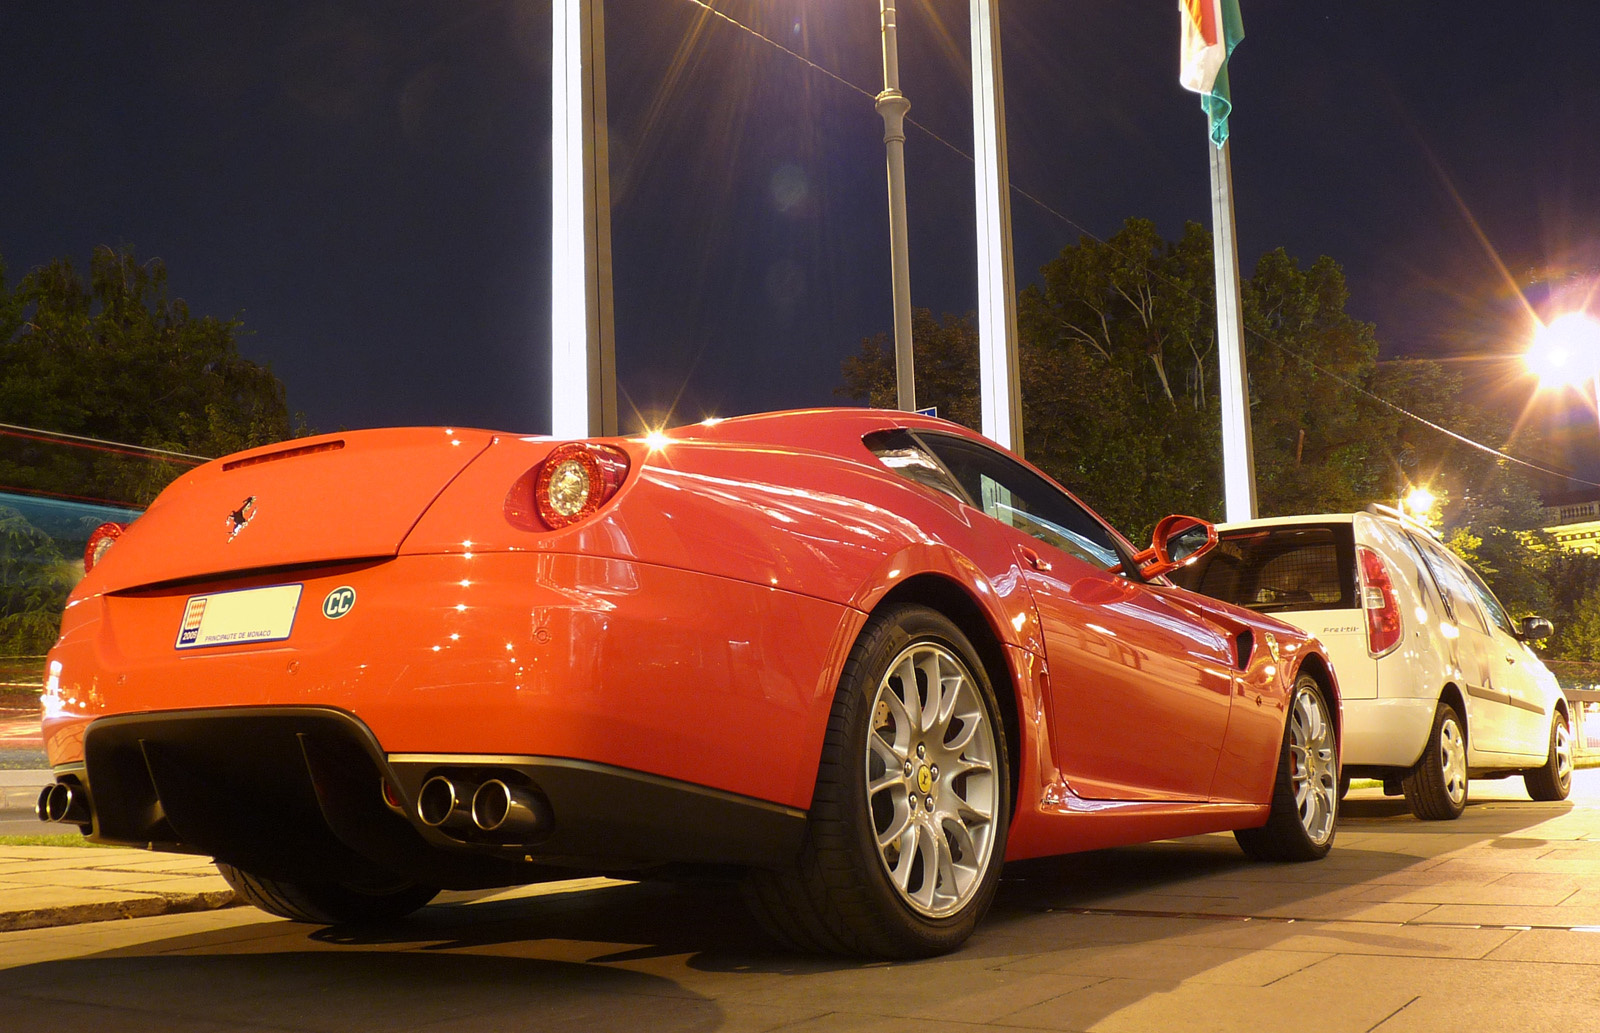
(283, 453)
(1243, 643)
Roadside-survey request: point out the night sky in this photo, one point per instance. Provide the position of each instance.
(366, 185)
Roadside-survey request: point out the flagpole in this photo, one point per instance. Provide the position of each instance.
(1238, 453)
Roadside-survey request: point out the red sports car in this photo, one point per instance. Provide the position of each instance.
(863, 656)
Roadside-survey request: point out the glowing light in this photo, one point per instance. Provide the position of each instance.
(467, 544)
(455, 636)
(1565, 352)
(655, 441)
(1449, 631)
(461, 607)
(464, 583)
(437, 648)
(1419, 500)
(711, 421)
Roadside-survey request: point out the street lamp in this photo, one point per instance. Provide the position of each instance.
(1566, 352)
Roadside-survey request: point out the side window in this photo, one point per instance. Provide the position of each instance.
(1491, 605)
(1020, 498)
(1453, 583)
(903, 454)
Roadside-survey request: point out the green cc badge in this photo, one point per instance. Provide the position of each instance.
(338, 602)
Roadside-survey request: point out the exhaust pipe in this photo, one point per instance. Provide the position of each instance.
(64, 802)
(442, 802)
(510, 810)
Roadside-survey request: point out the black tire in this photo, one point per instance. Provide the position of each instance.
(1344, 786)
(1436, 787)
(838, 896)
(326, 903)
(1309, 755)
(1553, 780)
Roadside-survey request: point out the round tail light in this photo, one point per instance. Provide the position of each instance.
(572, 483)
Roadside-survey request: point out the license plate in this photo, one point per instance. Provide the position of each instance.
(235, 618)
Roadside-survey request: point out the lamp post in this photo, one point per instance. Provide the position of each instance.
(892, 106)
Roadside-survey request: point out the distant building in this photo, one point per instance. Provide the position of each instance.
(1575, 525)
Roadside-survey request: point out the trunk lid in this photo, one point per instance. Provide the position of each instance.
(315, 500)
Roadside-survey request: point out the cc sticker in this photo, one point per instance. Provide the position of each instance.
(338, 602)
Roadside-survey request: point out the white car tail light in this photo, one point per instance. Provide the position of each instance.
(1384, 626)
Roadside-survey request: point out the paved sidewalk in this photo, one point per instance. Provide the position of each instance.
(43, 886)
(1479, 925)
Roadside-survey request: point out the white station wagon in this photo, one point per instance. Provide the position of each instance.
(1438, 684)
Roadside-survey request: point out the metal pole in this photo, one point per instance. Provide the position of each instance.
(892, 106)
(999, 378)
(1238, 454)
(583, 377)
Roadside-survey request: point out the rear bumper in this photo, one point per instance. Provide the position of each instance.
(1387, 733)
(688, 677)
(306, 793)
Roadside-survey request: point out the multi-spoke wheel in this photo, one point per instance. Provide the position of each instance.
(1553, 780)
(1305, 797)
(907, 827)
(1436, 786)
(931, 786)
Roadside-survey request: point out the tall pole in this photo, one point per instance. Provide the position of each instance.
(892, 106)
(583, 362)
(999, 378)
(1238, 453)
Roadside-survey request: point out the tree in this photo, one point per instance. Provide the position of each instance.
(1119, 379)
(118, 358)
(34, 581)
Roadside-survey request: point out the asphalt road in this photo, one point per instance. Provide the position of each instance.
(1478, 924)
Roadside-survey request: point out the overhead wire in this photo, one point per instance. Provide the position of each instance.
(1085, 231)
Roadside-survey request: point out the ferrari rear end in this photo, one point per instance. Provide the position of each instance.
(358, 668)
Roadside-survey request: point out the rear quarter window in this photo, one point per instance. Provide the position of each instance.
(1279, 569)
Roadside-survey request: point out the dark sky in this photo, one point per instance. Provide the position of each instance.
(366, 184)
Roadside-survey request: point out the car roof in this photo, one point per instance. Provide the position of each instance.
(1309, 518)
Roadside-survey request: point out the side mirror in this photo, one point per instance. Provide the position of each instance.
(1532, 629)
(1176, 542)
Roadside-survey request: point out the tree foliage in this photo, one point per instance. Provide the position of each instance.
(116, 357)
(1120, 379)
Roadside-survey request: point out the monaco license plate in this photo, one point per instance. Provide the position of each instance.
(235, 618)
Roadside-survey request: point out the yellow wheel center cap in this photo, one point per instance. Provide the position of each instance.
(924, 779)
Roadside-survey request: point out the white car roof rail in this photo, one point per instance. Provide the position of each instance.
(1405, 519)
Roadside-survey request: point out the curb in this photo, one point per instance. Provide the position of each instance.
(106, 911)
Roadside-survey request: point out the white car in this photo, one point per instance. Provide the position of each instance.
(1438, 684)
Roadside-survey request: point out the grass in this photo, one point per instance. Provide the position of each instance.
(66, 839)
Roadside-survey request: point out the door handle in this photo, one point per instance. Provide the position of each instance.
(1036, 561)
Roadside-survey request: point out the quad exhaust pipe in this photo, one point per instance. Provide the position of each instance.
(64, 802)
(507, 812)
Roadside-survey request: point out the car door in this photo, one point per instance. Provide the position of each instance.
(1528, 722)
(1140, 687)
(1488, 708)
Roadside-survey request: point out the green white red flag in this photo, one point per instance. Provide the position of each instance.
(1210, 30)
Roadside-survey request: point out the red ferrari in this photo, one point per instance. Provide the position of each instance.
(861, 656)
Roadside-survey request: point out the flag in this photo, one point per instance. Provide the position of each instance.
(1210, 30)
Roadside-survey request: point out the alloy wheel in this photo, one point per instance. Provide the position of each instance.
(1315, 778)
(931, 786)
